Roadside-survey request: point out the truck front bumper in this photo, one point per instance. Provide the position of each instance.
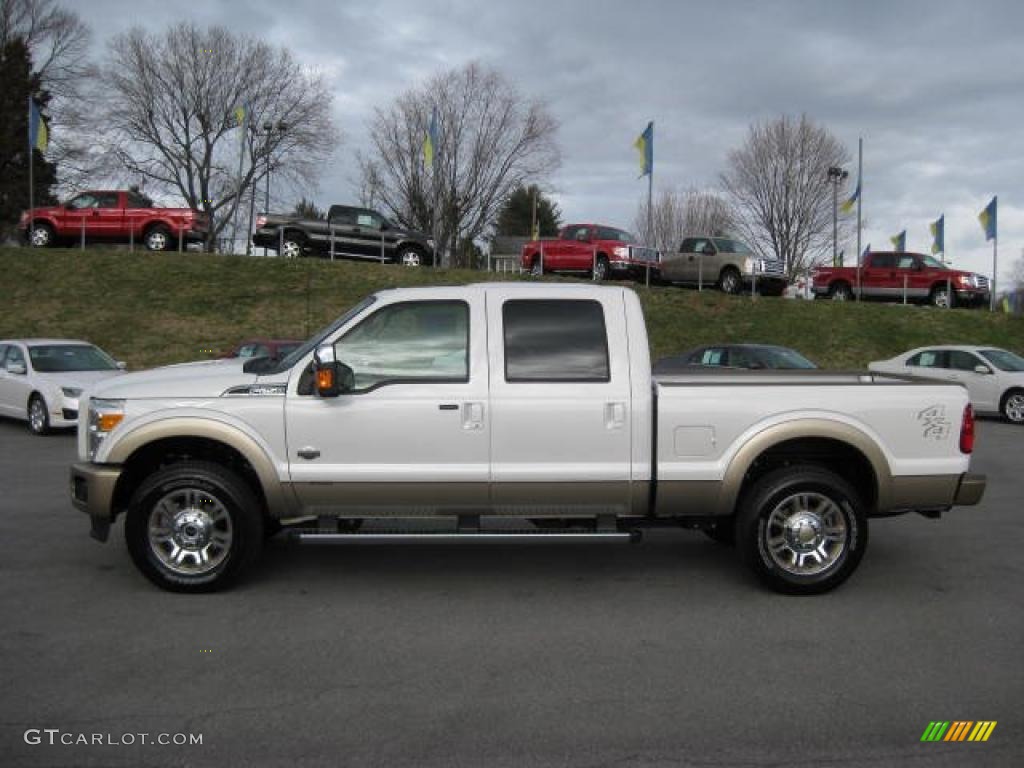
(92, 492)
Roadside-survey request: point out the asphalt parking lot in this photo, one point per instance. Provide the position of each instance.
(659, 654)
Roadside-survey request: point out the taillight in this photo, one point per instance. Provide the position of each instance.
(967, 430)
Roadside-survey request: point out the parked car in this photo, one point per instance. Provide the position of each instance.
(356, 233)
(272, 348)
(510, 400)
(591, 249)
(719, 261)
(889, 274)
(113, 217)
(41, 380)
(750, 356)
(994, 377)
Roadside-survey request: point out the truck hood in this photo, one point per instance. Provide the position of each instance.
(208, 378)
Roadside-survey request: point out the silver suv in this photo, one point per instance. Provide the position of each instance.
(726, 263)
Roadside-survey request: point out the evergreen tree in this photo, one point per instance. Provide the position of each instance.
(306, 209)
(18, 82)
(516, 216)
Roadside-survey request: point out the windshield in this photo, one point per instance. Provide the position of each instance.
(266, 365)
(1003, 360)
(60, 358)
(781, 357)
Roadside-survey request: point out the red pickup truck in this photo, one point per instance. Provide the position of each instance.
(592, 249)
(895, 274)
(113, 216)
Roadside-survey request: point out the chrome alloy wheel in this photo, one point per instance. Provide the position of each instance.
(291, 249)
(1014, 408)
(806, 534)
(37, 415)
(40, 237)
(410, 259)
(190, 532)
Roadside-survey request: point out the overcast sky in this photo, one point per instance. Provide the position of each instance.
(934, 89)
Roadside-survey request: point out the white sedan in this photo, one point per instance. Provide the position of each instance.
(42, 379)
(994, 377)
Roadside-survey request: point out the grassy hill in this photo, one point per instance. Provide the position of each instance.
(150, 309)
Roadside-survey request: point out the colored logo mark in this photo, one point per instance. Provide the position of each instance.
(959, 730)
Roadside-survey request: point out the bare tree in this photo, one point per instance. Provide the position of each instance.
(683, 214)
(778, 184)
(169, 116)
(58, 41)
(491, 140)
(1017, 273)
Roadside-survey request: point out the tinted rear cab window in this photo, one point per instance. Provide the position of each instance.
(555, 341)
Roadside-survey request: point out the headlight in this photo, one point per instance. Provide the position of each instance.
(965, 279)
(71, 391)
(622, 251)
(432, 244)
(104, 416)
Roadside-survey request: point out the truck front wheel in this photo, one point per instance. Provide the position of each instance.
(729, 281)
(193, 526)
(802, 529)
(840, 292)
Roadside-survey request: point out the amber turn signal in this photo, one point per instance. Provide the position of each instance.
(324, 378)
(107, 421)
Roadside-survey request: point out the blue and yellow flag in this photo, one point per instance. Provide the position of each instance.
(899, 242)
(938, 229)
(38, 137)
(430, 141)
(988, 220)
(645, 146)
(847, 205)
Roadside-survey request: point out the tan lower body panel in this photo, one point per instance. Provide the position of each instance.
(678, 498)
(923, 491)
(508, 499)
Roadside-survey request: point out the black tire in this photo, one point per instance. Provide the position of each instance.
(941, 298)
(840, 292)
(832, 530)
(599, 272)
(38, 415)
(41, 235)
(730, 281)
(185, 492)
(157, 239)
(1012, 406)
(410, 256)
(722, 532)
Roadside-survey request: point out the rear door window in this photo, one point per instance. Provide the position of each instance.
(555, 341)
(963, 361)
(883, 260)
(928, 359)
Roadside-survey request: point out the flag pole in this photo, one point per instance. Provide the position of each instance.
(995, 260)
(650, 194)
(860, 198)
(31, 162)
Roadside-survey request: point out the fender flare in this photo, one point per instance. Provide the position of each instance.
(732, 482)
(279, 502)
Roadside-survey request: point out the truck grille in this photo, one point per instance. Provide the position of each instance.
(772, 267)
(982, 282)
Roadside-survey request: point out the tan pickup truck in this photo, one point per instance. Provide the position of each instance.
(720, 261)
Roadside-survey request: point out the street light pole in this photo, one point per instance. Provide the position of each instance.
(835, 176)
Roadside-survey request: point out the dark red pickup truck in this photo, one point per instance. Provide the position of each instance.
(895, 274)
(592, 249)
(113, 216)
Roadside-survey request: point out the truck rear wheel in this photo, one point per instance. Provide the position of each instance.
(840, 292)
(41, 235)
(802, 529)
(193, 527)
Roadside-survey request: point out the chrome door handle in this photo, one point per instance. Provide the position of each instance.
(472, 416)
(308, 453)
(614, 415)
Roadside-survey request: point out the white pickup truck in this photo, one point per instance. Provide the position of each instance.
(471, 405)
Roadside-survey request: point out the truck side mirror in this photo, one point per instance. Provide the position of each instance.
(707, 250)
(982, 369)
(122, 365)
(332, 377)
(16, 367)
